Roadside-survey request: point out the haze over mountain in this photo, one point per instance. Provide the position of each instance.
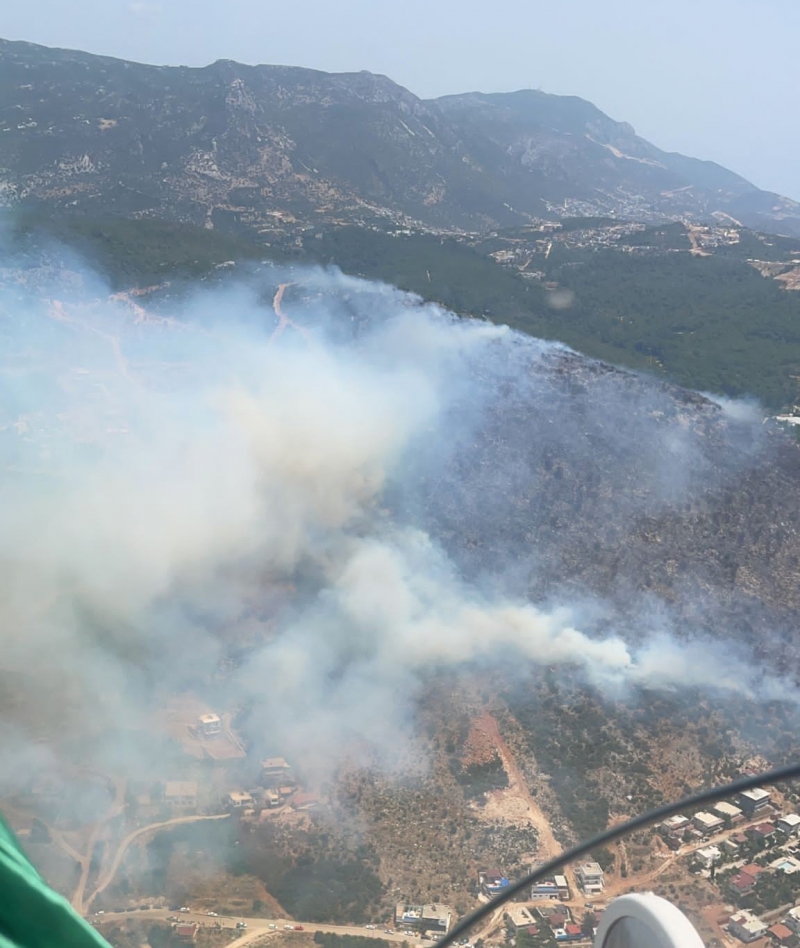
(235, 146)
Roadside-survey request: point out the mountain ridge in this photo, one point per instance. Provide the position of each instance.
(266, 147)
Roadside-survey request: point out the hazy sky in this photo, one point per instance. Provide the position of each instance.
(716, 79)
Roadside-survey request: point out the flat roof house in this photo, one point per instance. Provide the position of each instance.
(751, 801)
(727, 811)
(789, 824)
(590, 877)
(180, 793)
(238, 800)
(707, 823)
(209, 724)
(746, 927)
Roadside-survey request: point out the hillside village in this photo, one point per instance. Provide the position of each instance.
(746, 849)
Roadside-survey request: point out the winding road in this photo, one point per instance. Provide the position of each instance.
(106, 875)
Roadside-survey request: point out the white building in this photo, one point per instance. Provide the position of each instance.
(707, 823)
(590, 878)
(238, 800)
(727, 811)
(746, 927)
(708, 856)
(788, 824)
(675, 824)
(792, 919)
(209, 724)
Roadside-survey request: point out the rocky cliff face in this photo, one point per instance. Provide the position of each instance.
(270, 147)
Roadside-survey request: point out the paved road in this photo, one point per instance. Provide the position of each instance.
(256, 926)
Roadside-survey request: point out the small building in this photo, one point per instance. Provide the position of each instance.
(746, 927)
(675, 825)
(590, 878)
(546, 889)
(187, 931)
(754, 801)
(792, 919)
(730, 846)
(423, 918)
(753, 870)
(563, 886)
(571, 932)
(728, 812)
(304, 801)
(238, 800)
(762, 832)
(742, 884)
(272, 799)
(780, 933)
(549, 911)
(789, 825)
(708, 856)
(707, 823)
(520, 917)
(274, 771)
(208, 725)
(181, 794)
(492, 881)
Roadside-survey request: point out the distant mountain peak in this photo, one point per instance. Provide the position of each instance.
(267, 146)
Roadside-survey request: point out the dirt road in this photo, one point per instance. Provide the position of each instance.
(548, 845)
(116, 807)
(283, 320)
(106, 875)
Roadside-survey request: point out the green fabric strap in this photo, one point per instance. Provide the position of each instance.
(32, 915)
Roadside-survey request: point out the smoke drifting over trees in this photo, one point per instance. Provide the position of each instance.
(328, 516)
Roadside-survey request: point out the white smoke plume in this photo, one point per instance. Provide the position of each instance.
(181, 487)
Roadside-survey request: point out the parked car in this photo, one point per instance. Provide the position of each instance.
(299, 928)
(213, 914)
(288, 928)
(184, 909)
(272, 925)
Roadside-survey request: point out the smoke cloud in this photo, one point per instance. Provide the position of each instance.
(310, 520)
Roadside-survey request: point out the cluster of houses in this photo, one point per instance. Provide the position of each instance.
(555, 918)
(277, 787)
(771, 829)
(723, 815)
(589, 876)
(748, 927)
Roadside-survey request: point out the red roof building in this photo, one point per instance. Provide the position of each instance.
(187, 932)
(572, 930)
(780, 933)
(743, 883)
